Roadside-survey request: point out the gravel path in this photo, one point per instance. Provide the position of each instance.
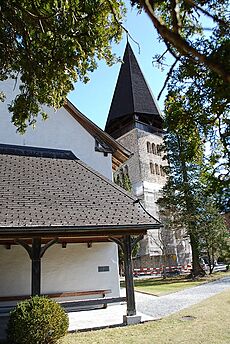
(158, 307)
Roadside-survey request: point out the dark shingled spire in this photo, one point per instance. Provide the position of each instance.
(132, 97)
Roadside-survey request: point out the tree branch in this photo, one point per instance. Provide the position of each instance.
(168, 77)
(175, 24)
(123, 28)
(208, 14)
(183, 47)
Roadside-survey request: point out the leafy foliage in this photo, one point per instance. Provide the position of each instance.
(38, 320)
(123, 180)
(213, 234)
(48, 45)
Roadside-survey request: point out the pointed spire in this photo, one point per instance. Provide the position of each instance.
(132, 94)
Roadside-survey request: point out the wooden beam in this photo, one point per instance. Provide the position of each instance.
(130, 297)
(72, 232)
(36, 266)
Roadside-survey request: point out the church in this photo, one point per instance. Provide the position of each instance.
(61, 216)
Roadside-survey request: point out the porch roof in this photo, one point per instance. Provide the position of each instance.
(44, 191)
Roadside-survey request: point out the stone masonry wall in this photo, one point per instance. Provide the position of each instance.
(148, 178)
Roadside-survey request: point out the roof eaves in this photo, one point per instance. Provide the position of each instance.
(70, 230)
(92, 128)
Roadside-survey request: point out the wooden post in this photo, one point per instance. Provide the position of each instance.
(131, 308)
(36, 266)
(36, 251)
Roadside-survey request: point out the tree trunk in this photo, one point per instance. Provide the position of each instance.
(196, 267)
(164, 266)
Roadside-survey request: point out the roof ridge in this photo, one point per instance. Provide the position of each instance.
(129, 51)
(42, 152)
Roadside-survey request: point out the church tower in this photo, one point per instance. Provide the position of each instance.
(135, 121)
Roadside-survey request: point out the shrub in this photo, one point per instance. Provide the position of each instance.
(38, 320)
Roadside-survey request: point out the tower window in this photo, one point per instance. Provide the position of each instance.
(157, 169)
(154, 148)
(148, 147)
(162, 171)
(158, 152)
(151, 168)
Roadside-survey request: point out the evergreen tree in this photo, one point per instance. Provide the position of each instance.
(179, 195)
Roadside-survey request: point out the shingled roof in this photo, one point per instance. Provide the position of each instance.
(52, 190)
(132, 93)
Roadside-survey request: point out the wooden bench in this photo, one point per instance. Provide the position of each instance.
(58, 295)
(72, 305)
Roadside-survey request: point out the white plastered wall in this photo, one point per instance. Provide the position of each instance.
(74, 268)
(59, 131)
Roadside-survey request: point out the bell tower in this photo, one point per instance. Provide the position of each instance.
(135, 121)
(133, 105)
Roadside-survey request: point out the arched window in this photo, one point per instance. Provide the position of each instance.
(158, 150)
(151, 168)
(148, 147)
(154, 148)
(157, 169)
(162, 171)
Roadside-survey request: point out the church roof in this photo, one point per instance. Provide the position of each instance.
(132, 93)
(47, 190)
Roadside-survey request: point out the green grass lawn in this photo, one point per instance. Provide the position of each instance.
(158, 286)
(205, 323)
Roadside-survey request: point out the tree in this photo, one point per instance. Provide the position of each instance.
(165, 241)
(187, 200)
(213, 234)
(48, 45)
(179, 195)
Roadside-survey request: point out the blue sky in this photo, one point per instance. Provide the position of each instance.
(94, 98)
